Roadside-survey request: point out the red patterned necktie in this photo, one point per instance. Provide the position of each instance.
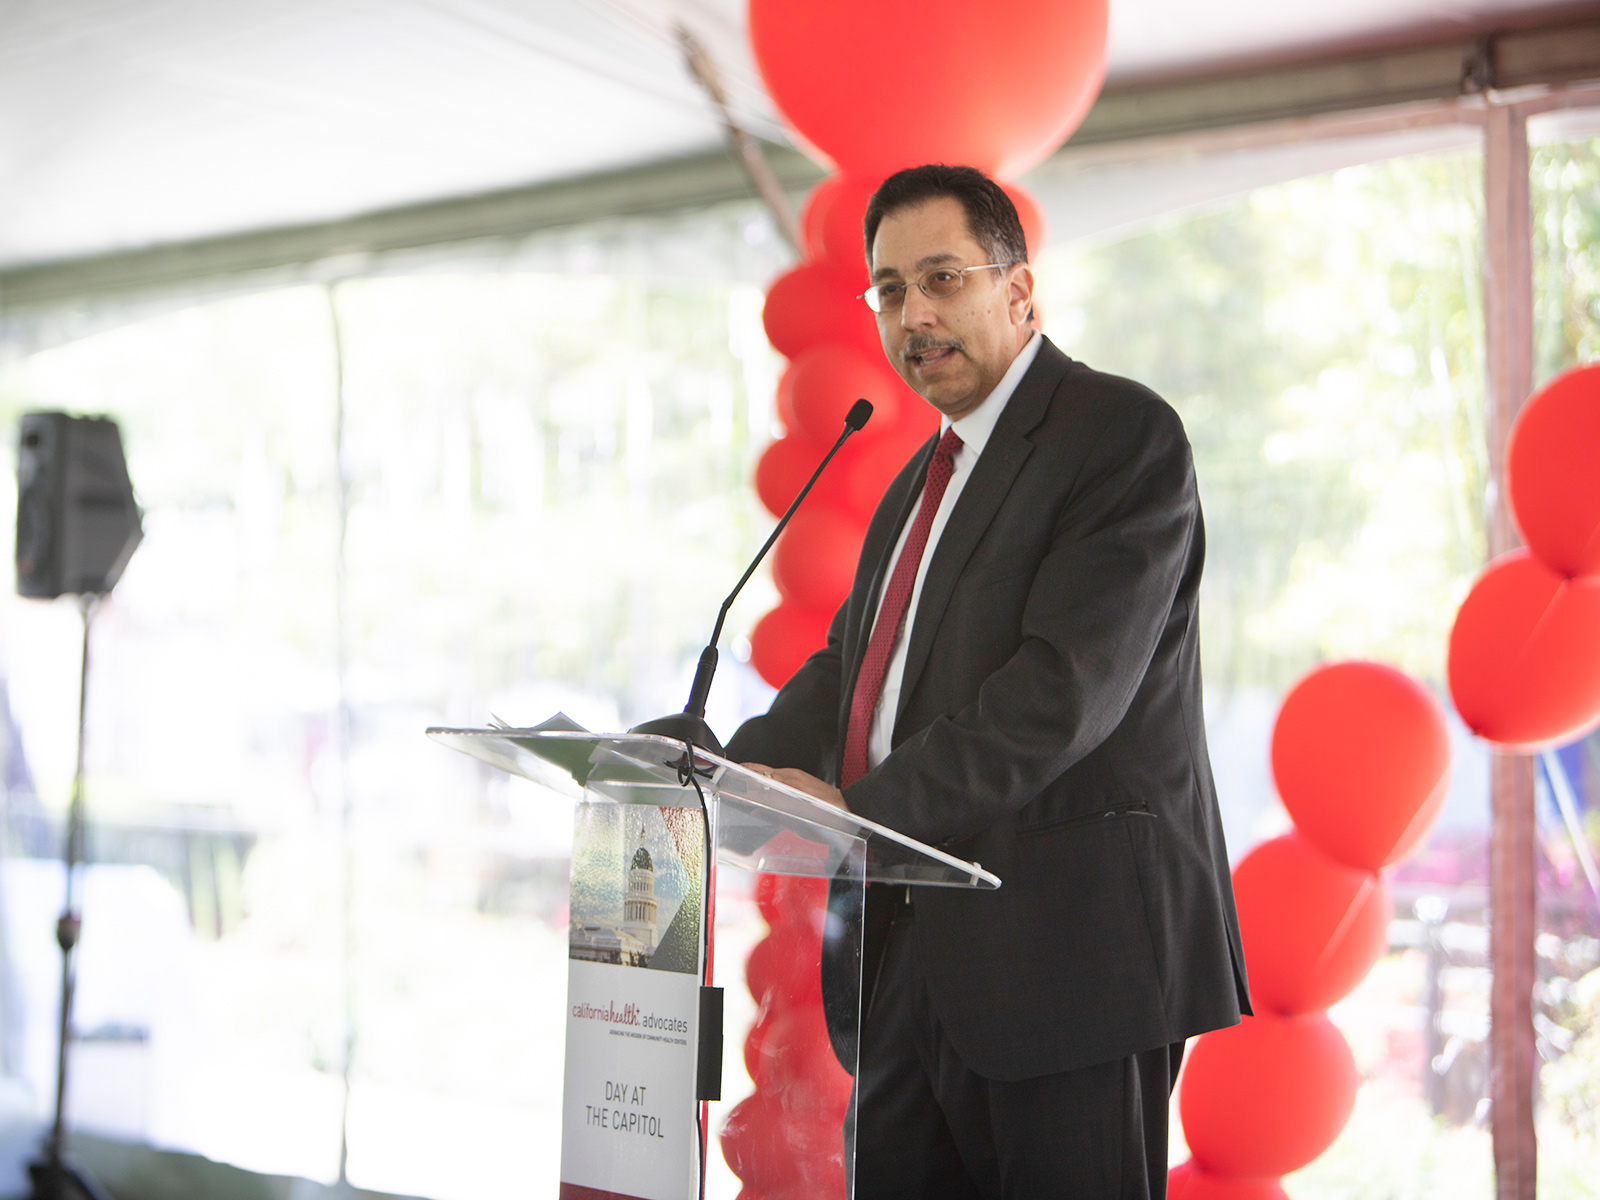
(892, 612)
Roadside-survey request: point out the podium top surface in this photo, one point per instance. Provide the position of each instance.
(761, 824)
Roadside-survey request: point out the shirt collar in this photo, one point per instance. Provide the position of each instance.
(974, 428)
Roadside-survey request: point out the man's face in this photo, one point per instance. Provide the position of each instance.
(951, 351)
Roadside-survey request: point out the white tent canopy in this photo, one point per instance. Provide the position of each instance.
(132, 123)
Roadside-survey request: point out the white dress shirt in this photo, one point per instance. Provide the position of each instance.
(973, 430)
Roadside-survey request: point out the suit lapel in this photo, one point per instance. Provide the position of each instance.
(985, 490)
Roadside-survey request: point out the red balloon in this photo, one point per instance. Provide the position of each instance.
(1553, 472)
(1033, 226)
(1525, 654)
(1187, 1181)
(783, 640)
(795, 899)
(783, 469)
(996, 86)
(813, 304)
(814, 212)
(1361, 757)
(754, 1040)
(814, 562)
(1312, 928)
(787, 463)
(873, 472)
(823, 382)
(781, 1153)
(796, 1066)
(784, 968)
(794, 1041)
(833, 489)
(1266, 1096)
(843, 226)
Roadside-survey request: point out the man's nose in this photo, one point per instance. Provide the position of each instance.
(918, 311)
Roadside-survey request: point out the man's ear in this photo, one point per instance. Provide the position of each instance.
(1019, 297)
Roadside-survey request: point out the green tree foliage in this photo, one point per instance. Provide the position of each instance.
(1566, 255)
(1322, 341)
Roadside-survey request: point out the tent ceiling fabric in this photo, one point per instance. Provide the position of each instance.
(128, 123)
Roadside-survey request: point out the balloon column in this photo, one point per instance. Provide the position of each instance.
(1361, 759)
(996, 87)
(1525, 648)
(785, 1141)
(812, 315)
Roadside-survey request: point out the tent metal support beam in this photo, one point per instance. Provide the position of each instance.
(659, 188)
(1284, 102)
(1513, 898)
(1548, 56)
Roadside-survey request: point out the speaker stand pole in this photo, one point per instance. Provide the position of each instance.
(55, 1178)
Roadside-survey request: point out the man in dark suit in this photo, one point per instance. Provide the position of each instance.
(1015, 678)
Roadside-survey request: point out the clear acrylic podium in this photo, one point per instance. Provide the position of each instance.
(644, 1032)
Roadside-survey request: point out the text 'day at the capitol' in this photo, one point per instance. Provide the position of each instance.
(631, 1119)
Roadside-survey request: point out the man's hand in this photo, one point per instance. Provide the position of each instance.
(801, 782)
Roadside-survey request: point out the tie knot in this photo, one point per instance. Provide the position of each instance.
(948, 444)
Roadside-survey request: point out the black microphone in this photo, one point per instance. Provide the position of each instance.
(690, 725)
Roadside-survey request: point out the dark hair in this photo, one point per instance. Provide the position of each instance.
(991, 217)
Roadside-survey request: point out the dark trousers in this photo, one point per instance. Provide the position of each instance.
(929, 1128)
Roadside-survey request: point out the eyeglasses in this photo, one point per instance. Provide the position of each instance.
(938, 284)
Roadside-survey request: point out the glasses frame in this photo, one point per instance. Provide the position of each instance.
(870, 297)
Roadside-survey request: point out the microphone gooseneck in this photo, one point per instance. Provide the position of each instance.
(690, 725)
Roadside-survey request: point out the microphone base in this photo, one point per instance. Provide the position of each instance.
(683, 727)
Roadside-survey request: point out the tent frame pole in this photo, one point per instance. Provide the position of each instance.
(1513, 898)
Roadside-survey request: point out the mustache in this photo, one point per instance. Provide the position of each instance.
(921, 343)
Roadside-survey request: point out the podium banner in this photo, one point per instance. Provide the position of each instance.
(635, 957)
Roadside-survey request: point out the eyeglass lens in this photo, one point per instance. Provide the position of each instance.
(940, 284)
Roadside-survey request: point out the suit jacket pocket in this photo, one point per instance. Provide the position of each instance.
(1051, 822)
(1009, 572)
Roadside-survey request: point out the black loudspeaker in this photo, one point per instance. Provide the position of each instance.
(77, 523)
